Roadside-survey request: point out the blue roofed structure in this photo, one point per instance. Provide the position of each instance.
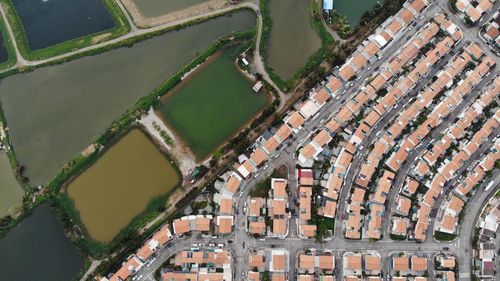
(327, 4)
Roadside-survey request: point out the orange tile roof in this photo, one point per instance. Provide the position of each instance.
(256, 261)
(226, 206)
(373, 263)
(295, 120)
(334, 85)
(232, 184)
(279, 226)
(257, 227)
(202, 224)
(346, 72)
(283, 132)
(279, 262)
(354, 262)
(401, 263)
(418, 263)
(254, 206)
(307, 230)
(258, 156)
(181, 226)
(321, 96)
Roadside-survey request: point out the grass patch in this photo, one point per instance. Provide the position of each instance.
(441, 236)
(397, 237)
(11, 59)
(121, 27)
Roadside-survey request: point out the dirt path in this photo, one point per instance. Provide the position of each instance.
(144, 22)
(178, 149)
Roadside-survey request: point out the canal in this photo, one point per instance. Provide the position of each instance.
(37, 249)
(119, 186)
(210, 107)
(11, 193)
(292, 38)
(63, 108)
(353, 10)
(49, 22)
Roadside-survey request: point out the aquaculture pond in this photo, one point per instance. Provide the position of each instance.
(292, 39)
(63, 108)
(49, 22)
(210, 107)
(11, 193)
(119, 186)
(37, 249)
(155, 8)
(354, 9)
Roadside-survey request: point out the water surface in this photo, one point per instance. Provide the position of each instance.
(11, 193)
(55, 112)
(49, 22)
(120, 184)
(354, 9)
(292, 38)
(211, 107)
(37, 249)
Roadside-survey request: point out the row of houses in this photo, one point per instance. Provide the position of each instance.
(315, 264)
(210, 263)
(359, 266)
(271, 262)
(389, 100)
(473, 11)
(135, 262)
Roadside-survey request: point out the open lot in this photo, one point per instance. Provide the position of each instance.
(120, 185)
(154, 8)
(210, 107)
(56, 111)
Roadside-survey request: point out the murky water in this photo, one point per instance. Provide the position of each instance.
(37, 249)
(55, 112)
(292, 38)
(120, 184)
(354, 10)
(11, 193)
(210, 107)
(49, 22)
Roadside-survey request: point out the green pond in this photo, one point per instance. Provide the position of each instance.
(155, 8)
(11, 193)
(212, 105)
(119, 186)
(37, 249)
(55, 112)
(292, 39)
(354, 9)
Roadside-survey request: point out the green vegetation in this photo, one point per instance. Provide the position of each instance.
(166, 138)
(312, 63)
(441, 236)
(397, 237)
(261, 189)
(121, 27)
(11, 60)
(205, 114)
